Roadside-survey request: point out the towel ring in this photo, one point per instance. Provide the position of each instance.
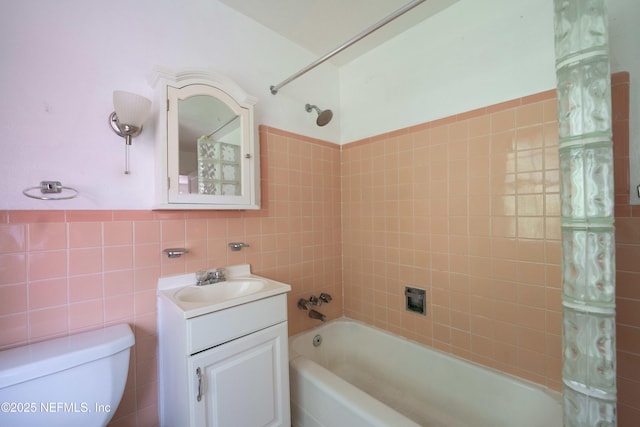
(50, 187)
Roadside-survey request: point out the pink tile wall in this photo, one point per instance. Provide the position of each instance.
(468, 208)
(627, 255)
(63, 272)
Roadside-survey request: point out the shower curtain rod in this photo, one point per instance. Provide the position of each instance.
(219, 128)
(274, 89)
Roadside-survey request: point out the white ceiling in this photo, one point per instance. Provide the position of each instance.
(320, 26)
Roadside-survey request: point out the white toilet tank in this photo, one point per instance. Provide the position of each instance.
(76, 380)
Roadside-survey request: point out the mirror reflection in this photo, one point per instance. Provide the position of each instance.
(209, 135)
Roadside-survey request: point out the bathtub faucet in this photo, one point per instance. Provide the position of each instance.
(319, 300)
(325, 297)
(316, 315)
(304, 304)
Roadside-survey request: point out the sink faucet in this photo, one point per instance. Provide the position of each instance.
(209, 277)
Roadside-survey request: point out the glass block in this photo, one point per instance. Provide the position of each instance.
(582, 410)
(586, 190)
(584, 97)
(580, 25)
(230, 172)
(230, 153)
(586, 181)
(230, 189)
(208, 171)
(588, 266)
(589, 350)
(206, 187)
(208, 148)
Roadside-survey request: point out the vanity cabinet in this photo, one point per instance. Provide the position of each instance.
(241, 383)
(224, 368)
(207, 154)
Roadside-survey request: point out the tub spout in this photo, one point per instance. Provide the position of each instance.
(317, 315)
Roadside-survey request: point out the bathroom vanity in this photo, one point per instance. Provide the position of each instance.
(223, 354)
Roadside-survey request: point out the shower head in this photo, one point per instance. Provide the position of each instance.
(324, 117)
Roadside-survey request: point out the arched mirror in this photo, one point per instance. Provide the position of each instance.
(209, 157)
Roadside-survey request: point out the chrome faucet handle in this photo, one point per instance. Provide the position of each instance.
(304, 304)
(325, 297)
(315, 300)
(236, 246)
(201, 277)
(218, 274)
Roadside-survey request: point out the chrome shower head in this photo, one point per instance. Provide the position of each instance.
(324, 116)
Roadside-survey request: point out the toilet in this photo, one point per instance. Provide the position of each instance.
(76, 380)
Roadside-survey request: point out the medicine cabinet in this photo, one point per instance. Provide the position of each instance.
(207, 154)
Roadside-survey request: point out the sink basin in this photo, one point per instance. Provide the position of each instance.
(240, 287)
(221, 291)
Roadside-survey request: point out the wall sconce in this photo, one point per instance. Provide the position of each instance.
(131, 111)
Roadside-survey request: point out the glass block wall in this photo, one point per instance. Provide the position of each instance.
(587, 200)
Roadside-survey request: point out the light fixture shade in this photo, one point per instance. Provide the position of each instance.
(131, 109)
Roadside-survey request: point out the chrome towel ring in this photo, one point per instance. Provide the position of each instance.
(50, 187)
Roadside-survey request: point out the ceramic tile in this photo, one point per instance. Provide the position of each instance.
(118, 308)
(529, 115)
(147, 255)
(46, 265)
(173, 231)
(48, 323)
(118, 258)
(12, 238)
(47, 293)
(85, 261)
(86, 287)
(493, 310)
(13, 299)
(85, 314)
(13, 268)
(14, 330)
(85, 234)
(118, 283)
(47, 236)
(146, 232)
(118, 233)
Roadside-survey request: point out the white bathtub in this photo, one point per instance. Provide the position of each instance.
(363, 376)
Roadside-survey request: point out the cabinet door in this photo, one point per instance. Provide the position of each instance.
(243, 383)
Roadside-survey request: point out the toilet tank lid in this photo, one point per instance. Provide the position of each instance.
(47, 357)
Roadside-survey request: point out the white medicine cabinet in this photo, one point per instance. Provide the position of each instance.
(207, 153)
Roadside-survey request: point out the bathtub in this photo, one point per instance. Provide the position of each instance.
(362, 376)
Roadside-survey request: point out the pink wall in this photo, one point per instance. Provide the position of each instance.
(68, 271)
(467, 208)
(454, 221)
(627, 267)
